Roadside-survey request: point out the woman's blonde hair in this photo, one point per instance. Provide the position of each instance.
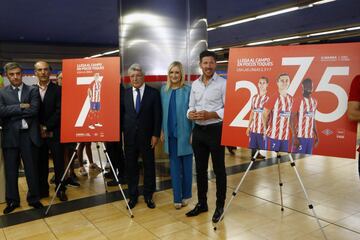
(182, 74)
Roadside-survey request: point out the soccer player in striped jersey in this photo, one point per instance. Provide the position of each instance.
(303, 115)
(255, 130)
(94, 93)
(277, 115)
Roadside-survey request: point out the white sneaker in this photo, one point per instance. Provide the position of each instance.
(92, 126)
(107, 166)
(185, 202)
(177, 205)
(83, 171)
(98, 125)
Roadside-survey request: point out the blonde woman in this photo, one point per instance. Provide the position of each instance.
(176, 133)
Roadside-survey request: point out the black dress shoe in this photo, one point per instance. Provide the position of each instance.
(11, 207)
(62, 196)
(150, 203)
(132, 203)
(72, 182)
(36, 205)
(199, 208)
(109, 175)
(44, 195)
(113, 182)
(217, 214)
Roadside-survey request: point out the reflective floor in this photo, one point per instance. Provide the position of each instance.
(332, 184)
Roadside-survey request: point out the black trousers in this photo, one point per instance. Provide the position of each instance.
(132, 153)
(57, 153)
(207, 140)
(116, 155)
(28, 152)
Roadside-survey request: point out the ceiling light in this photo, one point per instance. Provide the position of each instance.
(95, 56)
(237, 22)
(285, 39)
(258, 43)
(323, 1)
(277, 12)
(111, 52)
(324, 33)
(353, 28)
(216, 49)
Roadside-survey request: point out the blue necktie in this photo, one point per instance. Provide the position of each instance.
(138, 101)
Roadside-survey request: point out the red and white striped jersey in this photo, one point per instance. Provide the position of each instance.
(305, 107)
(279, 118)
(257, 106)
(95, 91)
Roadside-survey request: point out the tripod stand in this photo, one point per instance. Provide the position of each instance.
(112, 169)
(292, 164)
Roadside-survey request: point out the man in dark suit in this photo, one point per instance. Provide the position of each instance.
(49, 118)
(19, 107)
(142, 125)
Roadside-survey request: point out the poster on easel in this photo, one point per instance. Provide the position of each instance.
(90, 107)
(291, 99)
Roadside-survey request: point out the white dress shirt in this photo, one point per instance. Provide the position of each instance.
(142, 89)
(42, 90)
(24, 124)
(210, 98)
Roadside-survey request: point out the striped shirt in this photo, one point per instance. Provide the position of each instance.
(279, 118)
(95, 91)
(306, 108)
(257, 106)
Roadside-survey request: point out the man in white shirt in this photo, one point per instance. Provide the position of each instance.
(206, 109)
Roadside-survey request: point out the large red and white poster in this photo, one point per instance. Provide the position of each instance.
(90, 110)
(291, 99)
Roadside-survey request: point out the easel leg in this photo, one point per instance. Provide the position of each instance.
(117, 180)
(280, 181)
(101, 165)
(306, 195)
(237, 189)
(62, 179)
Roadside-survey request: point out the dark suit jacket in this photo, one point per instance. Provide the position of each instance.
(147, 123)
(50, 109)
(12, 114)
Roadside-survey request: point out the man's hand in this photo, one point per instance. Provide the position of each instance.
(202, 115)
(205, 115)
(192, 115)
(162, 136)
(316, 140)
(296, 142)
(154, 141)
(248, 131)
(24, 105)
(42, 131)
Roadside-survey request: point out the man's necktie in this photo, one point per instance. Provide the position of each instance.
(17, 93)
(138, 101)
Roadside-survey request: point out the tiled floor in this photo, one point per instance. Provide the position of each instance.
(332, 184)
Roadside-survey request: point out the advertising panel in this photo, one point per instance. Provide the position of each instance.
(90, 110)
(291, 99)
